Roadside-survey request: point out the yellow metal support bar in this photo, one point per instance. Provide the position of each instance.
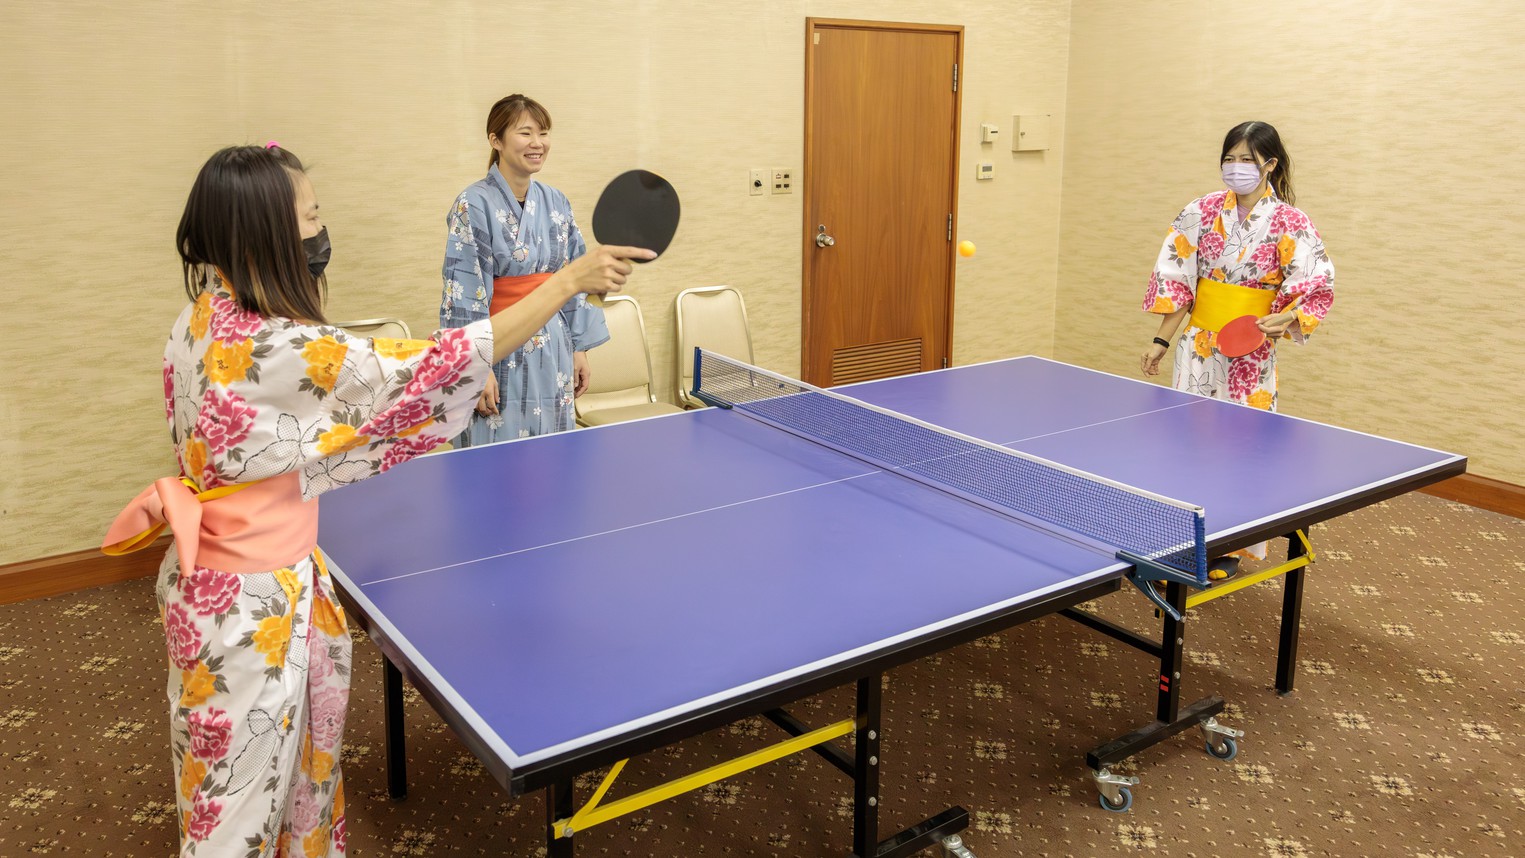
(592, 814)
(1240, 582)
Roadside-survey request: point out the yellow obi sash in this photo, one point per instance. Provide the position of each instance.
(1217, 303)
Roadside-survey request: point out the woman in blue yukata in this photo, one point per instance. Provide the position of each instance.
(507, 234)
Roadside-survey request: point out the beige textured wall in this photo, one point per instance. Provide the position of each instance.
(1406, 123)
(110, 108)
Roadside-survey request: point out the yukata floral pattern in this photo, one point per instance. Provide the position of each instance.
(1276, 248)
(259, 664)
(492, 235)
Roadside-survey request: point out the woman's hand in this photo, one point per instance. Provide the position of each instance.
(602, 269)
(582, 373)
(1275, 325)
(1150, 363)
(487, 403)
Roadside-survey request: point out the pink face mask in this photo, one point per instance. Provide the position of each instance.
(1241, 178)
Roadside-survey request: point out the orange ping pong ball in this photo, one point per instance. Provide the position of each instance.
(966, 248)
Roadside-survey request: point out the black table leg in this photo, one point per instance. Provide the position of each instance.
(396, 740)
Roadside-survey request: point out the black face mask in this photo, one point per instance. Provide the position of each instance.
(318, 250)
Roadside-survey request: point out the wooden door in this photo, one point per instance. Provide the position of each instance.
(880, 185)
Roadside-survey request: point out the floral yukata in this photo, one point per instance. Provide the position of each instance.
(1274, 248)
(492, 235)
(260, 663)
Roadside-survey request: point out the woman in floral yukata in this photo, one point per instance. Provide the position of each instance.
(1242, 251)
(269, 407)
(507, 233)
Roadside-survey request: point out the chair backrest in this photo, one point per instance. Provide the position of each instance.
(713, 318)
(392, 328)
(621, 368)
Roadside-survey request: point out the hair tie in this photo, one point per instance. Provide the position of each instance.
(272, 145)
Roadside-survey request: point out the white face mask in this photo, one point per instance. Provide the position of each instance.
(1241, 178)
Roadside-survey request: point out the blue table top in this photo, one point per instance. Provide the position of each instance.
(559, 591)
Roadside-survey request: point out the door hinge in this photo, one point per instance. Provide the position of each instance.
(950, 227)
(945, 363)
(955, 77)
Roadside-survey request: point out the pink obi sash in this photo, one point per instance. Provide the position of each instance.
(242, 528)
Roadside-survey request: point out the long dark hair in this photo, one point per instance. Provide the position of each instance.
(1264, 144)
(241, 220)
(506, 111)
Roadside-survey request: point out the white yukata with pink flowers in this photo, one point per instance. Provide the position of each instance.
(1276, 248)
(260, 663)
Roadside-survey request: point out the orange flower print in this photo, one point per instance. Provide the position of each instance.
(400, 349)
(1218, 226)
(1203, 344)
(1183, 247)
(192, 773)
(1307, 322)
(1162, 305)
(1259, 399)
(341, 438)
(416, 429)
(316, 843)
(201, 317)
(290, 583)
(227, 362)
(328, 617)
(195, 459)
(197, 686)
(1285, 248)
(272, 638)
(322, 769)
(325, 357)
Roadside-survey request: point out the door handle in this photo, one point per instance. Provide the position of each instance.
(822, 239)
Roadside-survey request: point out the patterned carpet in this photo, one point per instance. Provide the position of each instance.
(1410, 693)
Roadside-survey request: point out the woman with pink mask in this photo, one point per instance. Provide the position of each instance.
(1242, 251)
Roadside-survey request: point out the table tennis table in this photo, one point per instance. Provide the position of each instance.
(569, 601)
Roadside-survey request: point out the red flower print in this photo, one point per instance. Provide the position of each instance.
(1266, 257)
(183, 637)
(401, 417)
(1244, 374)
(169, 392)
(225, 419)
(211, 734)
(442, 365)
(327, 717)
(320, 665)
(404, 449)
(1211, 246)
(204, 815)
(1318, 297)
(1211, 204)
(209, 591)
(341, 835)
(232, 322)
(1288, 219)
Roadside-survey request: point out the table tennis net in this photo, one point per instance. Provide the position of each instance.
(1031, 489)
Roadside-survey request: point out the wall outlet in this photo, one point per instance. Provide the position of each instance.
(757, 182)
(783, 180)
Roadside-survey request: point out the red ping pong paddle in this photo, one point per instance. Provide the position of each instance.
(1242, 335)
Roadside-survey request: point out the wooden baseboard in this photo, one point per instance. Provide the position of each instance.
(77, 570)
(1483, 493)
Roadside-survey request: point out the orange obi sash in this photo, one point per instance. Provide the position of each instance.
(243, 528)
(508, 291)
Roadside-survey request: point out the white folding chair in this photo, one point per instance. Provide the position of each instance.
(713, 318)
(393, 328)
(621, 385)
